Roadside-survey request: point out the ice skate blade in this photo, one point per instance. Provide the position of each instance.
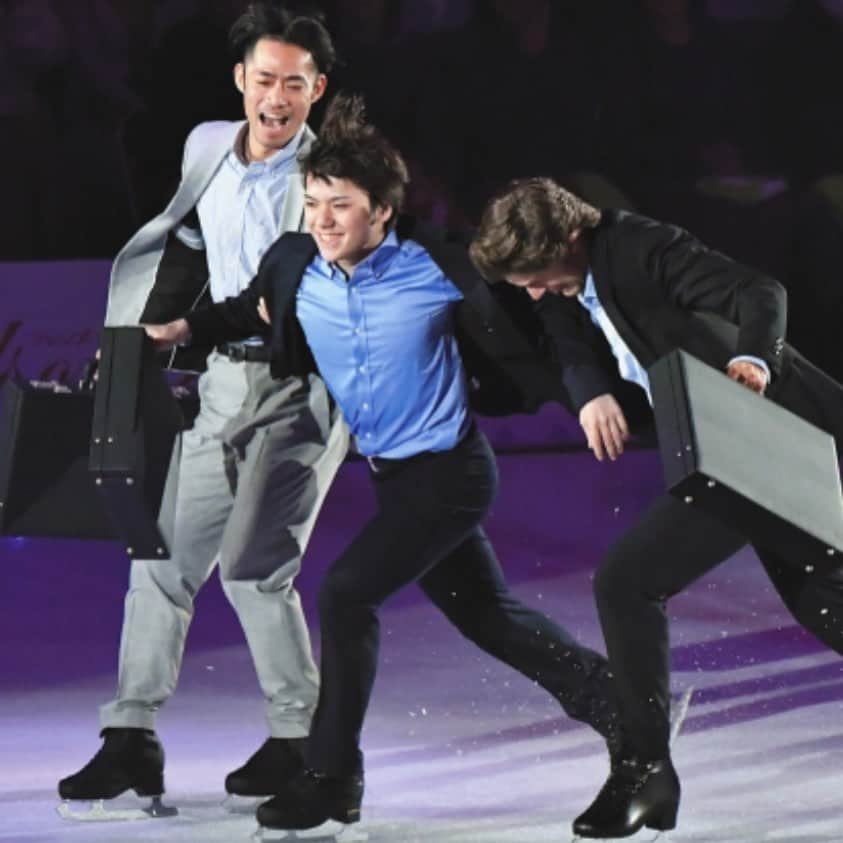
(98, 812)
(680, 712)
(643, 836)
(236, 804)
(330, 830)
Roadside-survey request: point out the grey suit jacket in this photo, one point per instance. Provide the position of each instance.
(135, 269)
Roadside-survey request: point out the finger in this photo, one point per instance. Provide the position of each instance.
(595, 443)
(609, 442)
(614, 432)
(619, 424)
(621, 420)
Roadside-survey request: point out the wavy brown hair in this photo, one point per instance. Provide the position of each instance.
(526, 227)
(350, 148)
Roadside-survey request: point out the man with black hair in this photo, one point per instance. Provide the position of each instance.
(379, 315)
(247, 481)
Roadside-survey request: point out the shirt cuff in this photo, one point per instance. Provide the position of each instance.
(756, 360)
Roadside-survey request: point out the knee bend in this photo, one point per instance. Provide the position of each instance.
(336, 596)
(481, 624)
(611, 586)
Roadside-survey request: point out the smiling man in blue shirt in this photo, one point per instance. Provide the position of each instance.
(379, 315)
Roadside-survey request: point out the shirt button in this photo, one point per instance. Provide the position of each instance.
(368, 435)
(365, 406)
(361, 369)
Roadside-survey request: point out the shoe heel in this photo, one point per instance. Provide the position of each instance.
(151, 785)
(665, 820)
(347, 813)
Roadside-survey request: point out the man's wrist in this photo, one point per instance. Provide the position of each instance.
(757, 361)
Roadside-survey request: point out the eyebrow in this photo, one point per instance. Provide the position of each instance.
(330, 198)
(298, 77)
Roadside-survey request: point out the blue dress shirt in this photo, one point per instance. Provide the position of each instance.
(383, 340)
(628, 366)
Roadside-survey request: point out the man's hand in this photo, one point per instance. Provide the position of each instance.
(169, 335)
(605, 426)
(263, 311)
(749, 374)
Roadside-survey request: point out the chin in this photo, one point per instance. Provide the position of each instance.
(276, 141)
(331, 255)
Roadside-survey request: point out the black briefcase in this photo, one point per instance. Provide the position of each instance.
(135, 422)
(92, 465)
(762, 469)
(45, 486)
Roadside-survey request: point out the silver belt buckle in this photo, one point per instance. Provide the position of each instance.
(236, 352)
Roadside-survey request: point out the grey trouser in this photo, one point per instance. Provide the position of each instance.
(244, 489)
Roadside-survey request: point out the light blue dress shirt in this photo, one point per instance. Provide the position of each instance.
(628, 366)
(384, 343)
(240, 213)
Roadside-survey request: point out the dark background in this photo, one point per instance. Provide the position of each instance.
(722, 115)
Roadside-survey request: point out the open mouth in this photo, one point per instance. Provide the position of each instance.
(329, 239)
(273, 122)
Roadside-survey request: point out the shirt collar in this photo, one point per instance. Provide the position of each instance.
(589, 293)
(376, 263)
(272, 164)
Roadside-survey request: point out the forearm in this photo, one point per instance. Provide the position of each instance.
(233, 319)
(695, 278)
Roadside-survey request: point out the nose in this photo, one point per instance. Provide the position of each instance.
(277, 95)
(324, 217)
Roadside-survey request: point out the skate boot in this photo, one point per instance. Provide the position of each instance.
(129, 759)
(264, 774)
(314, 806)
(637, 794)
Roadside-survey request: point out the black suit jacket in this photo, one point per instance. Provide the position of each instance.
(662, 290)
(502, 349)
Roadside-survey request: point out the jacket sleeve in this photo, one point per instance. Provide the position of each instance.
(181, 277)
(236, 317)
(585, 373)
(695, 278)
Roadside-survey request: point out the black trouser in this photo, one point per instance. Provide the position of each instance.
(674, 544)
(427, 530)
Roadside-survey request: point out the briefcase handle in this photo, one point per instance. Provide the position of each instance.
(89, 375)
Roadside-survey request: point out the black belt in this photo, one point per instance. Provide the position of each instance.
(384, 466)
(240, 352)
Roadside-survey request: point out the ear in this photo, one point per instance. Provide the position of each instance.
(240, 77)
(574, 236)
(382, 214)
(319, 87)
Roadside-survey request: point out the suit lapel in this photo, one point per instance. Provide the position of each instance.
(292, 212)
(134, 270)
(603, 270)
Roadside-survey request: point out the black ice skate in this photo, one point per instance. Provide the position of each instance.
(313, 806)
(129, 759)
(264, 774)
